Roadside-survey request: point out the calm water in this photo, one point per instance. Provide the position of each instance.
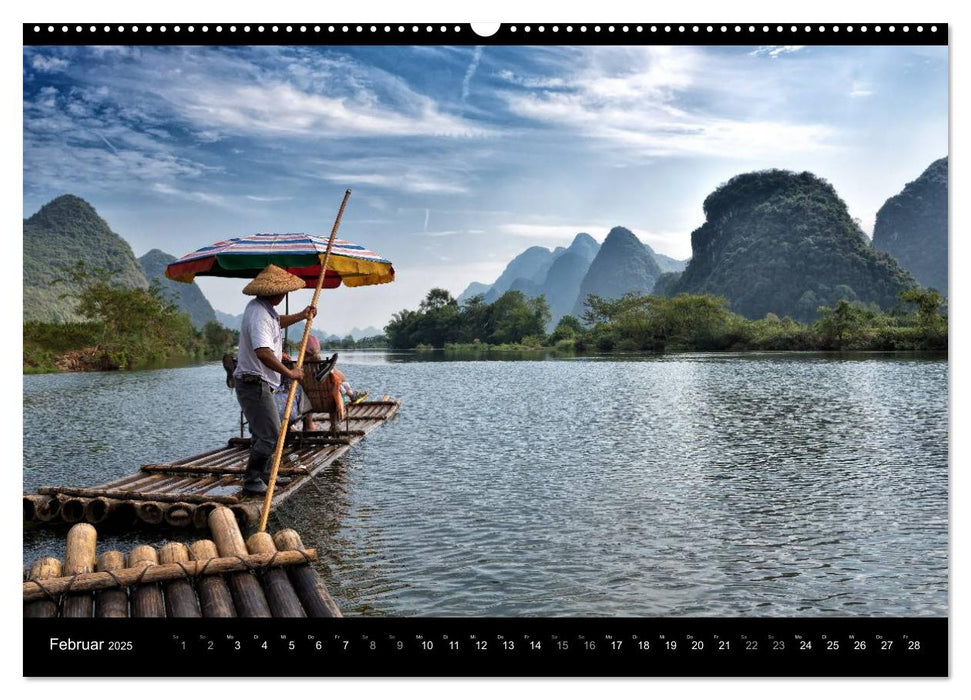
(755, 485)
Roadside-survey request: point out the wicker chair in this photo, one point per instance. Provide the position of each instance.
(324, 395)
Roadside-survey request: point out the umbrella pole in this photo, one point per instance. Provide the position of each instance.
(284, 424)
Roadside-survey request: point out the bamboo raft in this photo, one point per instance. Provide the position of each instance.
(262, 576)
(185, 492)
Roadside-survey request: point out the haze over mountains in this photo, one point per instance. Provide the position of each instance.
(912, 227)
(188, 297)
(64, 231)
(564, 275)
(773, 242)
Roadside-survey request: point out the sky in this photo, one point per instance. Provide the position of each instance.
(460, 157)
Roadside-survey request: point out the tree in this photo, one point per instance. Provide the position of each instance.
(837, 323)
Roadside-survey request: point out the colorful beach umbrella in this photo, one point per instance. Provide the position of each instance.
(298, 253)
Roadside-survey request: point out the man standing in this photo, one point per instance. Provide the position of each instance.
(259, 368)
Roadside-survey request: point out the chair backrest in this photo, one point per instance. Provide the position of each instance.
(324, 395)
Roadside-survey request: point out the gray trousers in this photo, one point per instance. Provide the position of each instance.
(256, 400)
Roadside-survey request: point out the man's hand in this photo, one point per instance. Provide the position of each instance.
(296, 374)
(309, 312)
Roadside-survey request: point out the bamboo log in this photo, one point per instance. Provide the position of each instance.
(46, 508)
(166, 572)
(179, 514)
(72, 509)
(111, 602)
(146, 598)
(247, 514)
(214, 594)
(135, 495)
(310, 589)
(97, 510)
(180, 598)
(247, 593)
(200, 518)
(283, 600)
(41, 570)
(123, 514)
(150, 512)
(171, 469)
(79, 558)
(30, 509)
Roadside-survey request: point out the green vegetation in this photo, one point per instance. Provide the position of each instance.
(124, 328)
(187, 297)
(784, 243)
(441, 321)
(693, 322)
(687, 322)
(64, 231)
(912, 227)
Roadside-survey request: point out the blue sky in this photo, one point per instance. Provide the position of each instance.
(460, 157)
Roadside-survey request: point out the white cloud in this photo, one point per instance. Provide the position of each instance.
(255, 198)
(775, 51)
(48, 64)
(860, 89)
(402, 174)
(530, 82)
(633, 100)
(470, 72)
(195, 196)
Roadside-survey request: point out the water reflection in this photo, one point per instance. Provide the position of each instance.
(777, 484)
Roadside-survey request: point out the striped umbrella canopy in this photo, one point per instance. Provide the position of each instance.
(298, 253)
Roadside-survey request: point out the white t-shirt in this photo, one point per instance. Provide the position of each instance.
(260, 329)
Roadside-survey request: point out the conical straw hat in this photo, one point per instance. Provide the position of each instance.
(271, 281)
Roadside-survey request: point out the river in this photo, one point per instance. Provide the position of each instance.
(722, 485)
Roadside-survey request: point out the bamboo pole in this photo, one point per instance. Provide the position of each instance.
(205, 563)
(247, 514)
(72, 509)
(247, 593)
(179, 514)
(46, 508)
(282, 437)
(180, 598)
(310, 589)
(111, 602)
(214, 595)
(279, 591)
(150, 512)
(97, 510)
(200, 518)
(146, 598)
(42, 569)
(136, 495)
(79, 558)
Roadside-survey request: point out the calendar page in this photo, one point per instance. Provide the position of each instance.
(384, 349)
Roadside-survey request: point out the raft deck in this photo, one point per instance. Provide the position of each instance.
(184, 492)
(263, 576)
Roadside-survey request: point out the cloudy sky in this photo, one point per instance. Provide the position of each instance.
(460, 157)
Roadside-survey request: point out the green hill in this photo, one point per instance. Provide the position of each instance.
(188, 297)
(622, 264)
(780, 242)
(912, 227)
(62, 232)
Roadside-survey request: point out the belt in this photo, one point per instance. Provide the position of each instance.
(251, 379)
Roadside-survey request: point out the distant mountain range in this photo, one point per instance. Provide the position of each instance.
(563, 274)
(773, 242)
(188, 297)
(912, 227)
(295, 331)
(784, 243)
(64, 231)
